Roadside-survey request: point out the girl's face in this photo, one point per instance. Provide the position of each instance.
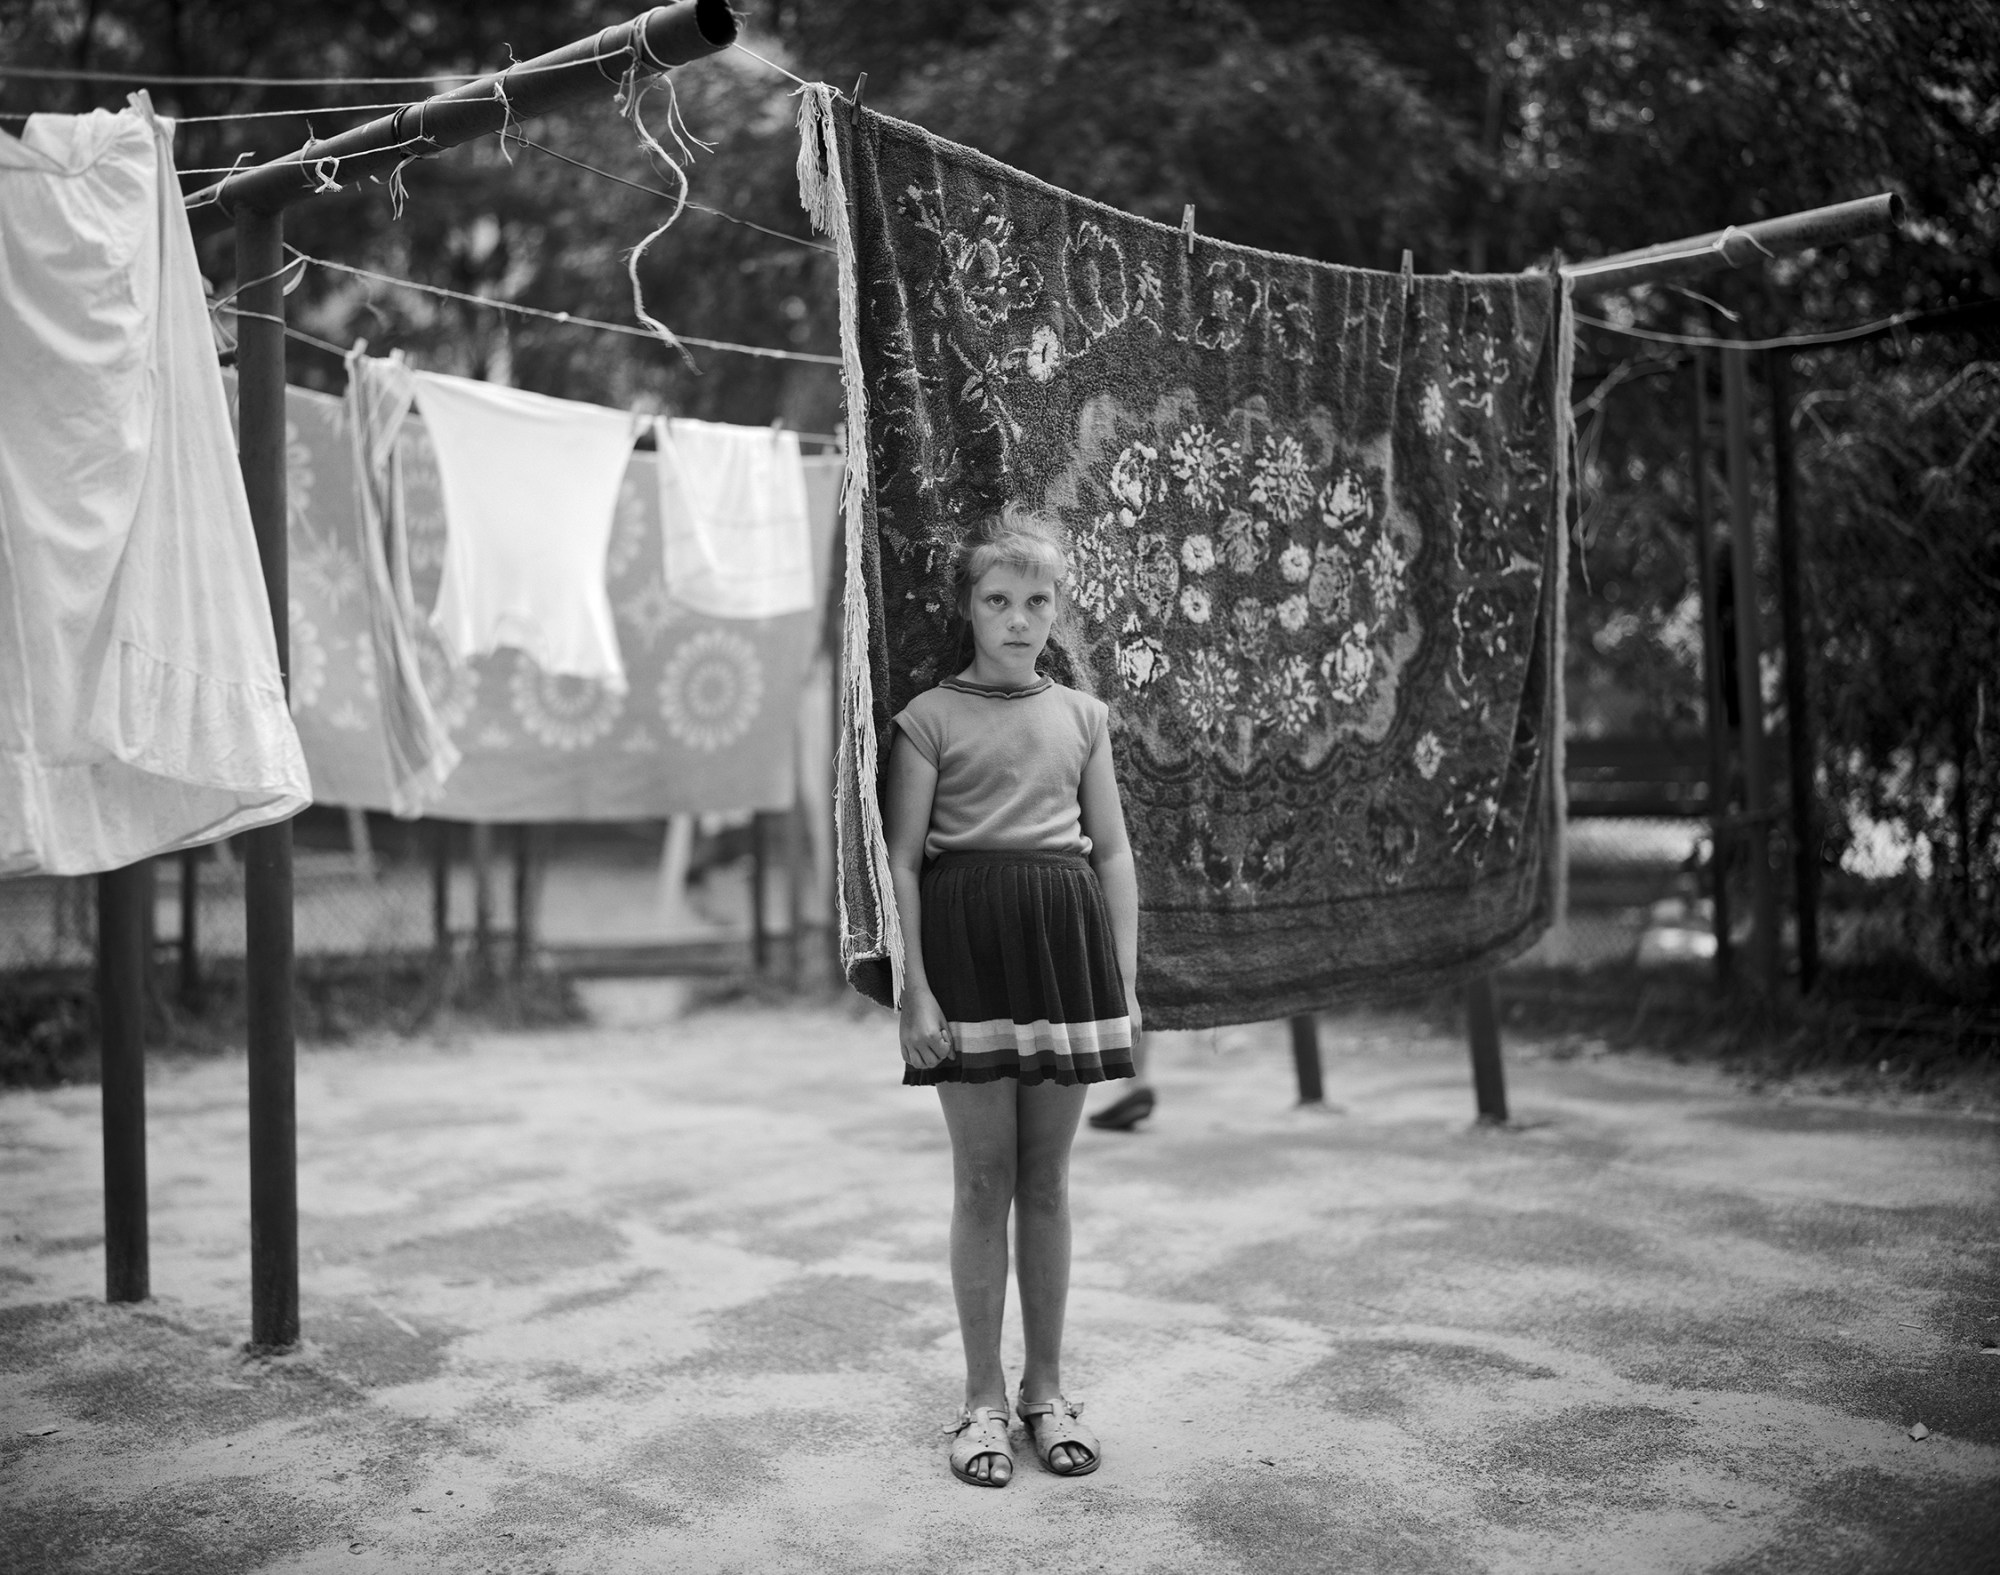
(1011, 613)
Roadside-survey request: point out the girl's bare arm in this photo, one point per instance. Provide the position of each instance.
(912, 785)
(1111, 855)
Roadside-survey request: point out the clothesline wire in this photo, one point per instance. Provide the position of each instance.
(654, 191)
(830, 439)
(562, 317)
(158, 79)
(1782, 342)
(280, 114)
(298, 157)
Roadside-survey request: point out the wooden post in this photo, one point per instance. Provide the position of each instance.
(758, 858)
(482, 899)
(189, 957)
(1489, 1077)
(267, 851)
(1749, 674)
(441, 891)
(121, 1012)
(1305, 1059)
(525, 890)
(1716, 707)
(1802, 798)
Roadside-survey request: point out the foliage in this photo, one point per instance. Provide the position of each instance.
(1905, 582)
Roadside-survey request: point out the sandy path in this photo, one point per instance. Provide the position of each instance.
(672, 1296)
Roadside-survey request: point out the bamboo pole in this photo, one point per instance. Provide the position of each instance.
(267, 850)
(662, 38)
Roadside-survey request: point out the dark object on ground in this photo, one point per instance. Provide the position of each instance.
(1124, 1114)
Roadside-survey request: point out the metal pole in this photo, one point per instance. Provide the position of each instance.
(1738, 245)
(190, 950)
(1717, 708)
(662, 38)
(1305, 1059)
(121, 1011)
(1489, 1076)
(267, 851)
(1749, 673)
(1798, 696)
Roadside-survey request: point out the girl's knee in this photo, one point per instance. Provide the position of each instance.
(985, 1184)
(1042, 1188)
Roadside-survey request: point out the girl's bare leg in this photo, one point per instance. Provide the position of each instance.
(981, 1120)
(1046, 1116)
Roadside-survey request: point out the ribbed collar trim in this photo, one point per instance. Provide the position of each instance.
(994, 691)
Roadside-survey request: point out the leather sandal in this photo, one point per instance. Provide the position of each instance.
(1060, 1427)
(976, 1433)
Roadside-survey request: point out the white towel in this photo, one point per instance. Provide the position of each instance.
(530, 493)
(141, 707)
(733, 512)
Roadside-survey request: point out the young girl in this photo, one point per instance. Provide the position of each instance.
(1020, 913)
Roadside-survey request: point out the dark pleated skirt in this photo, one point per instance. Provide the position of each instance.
(1018, 950)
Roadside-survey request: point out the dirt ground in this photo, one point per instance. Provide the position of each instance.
(669, 1294)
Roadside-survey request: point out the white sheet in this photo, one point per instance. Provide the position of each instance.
(530, 493)
(141, 707)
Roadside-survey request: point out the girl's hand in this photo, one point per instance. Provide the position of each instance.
(926, 1040)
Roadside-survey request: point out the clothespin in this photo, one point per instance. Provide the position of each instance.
(1409, 266)
(1187, 227)
(860, 87)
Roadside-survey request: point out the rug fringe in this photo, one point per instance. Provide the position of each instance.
(1565, 440)
(823, 195)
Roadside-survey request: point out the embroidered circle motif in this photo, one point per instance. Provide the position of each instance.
(712, 690)
(562, 712)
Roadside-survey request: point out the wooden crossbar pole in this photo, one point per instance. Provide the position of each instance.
(662, 38)
(1739, 245)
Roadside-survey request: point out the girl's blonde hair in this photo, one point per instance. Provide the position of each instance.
(1019, 541)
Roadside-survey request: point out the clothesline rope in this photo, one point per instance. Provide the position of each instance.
(562, 317)
(802, 82)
